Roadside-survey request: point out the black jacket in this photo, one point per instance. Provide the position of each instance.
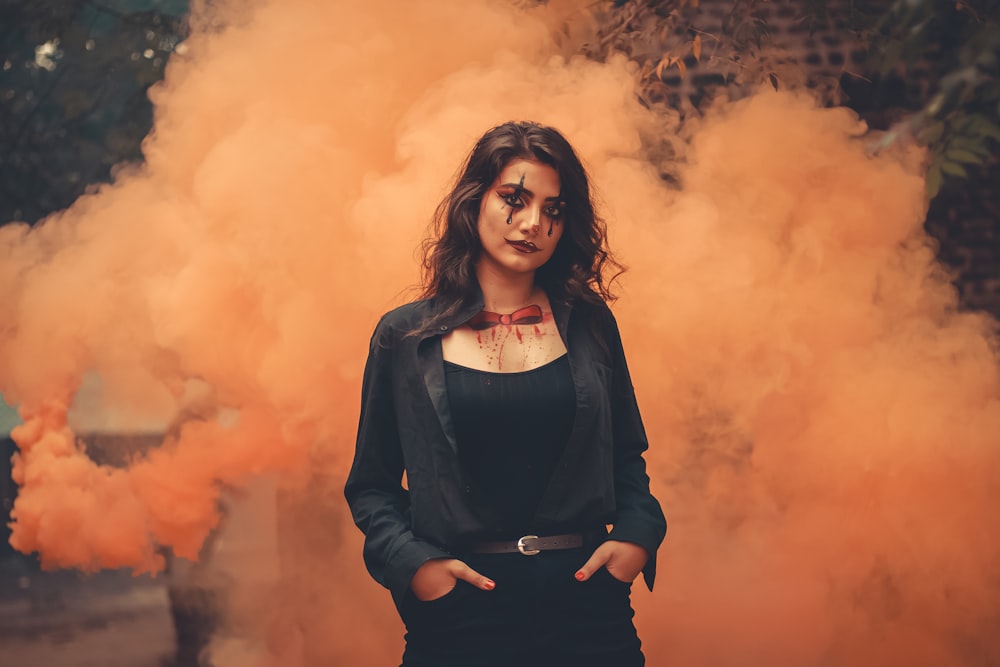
(406, 424)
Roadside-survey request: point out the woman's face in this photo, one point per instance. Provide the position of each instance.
(520, 218)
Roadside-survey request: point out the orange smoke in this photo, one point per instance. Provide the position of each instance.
(823, 419)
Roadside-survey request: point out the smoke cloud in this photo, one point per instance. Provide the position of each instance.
(823, 417)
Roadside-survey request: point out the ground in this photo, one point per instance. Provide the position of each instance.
(65, 619)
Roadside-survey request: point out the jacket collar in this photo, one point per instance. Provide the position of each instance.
(462, 315)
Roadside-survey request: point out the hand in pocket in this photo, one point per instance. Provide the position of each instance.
(438, 577)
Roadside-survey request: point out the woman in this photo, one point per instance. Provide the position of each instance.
(505, 397)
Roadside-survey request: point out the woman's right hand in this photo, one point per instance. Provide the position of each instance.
(438, 577)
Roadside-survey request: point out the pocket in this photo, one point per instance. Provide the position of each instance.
(412, 605)
(442, 598)
(440, 612)
(607, 575)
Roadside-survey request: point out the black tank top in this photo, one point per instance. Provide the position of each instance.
(511, 430)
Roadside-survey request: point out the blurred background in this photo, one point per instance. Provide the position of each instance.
(74, 108)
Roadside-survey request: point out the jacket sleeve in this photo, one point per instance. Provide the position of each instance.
(639, 518)
(379, 503)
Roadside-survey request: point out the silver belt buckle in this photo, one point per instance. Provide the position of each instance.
(523, 550)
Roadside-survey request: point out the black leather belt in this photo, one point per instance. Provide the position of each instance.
(530, 545)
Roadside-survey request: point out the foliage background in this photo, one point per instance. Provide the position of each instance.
(74, 77)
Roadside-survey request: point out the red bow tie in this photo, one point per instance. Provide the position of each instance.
(485, 319)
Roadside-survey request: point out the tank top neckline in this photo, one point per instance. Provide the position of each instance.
(547, 364)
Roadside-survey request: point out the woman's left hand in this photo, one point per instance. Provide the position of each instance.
(624, 560)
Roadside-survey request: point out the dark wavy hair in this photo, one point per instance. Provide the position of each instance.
(580, 270)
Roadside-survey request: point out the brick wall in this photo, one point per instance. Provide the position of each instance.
(964, 219)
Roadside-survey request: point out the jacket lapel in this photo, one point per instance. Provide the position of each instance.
(432, 369)
(431, 364)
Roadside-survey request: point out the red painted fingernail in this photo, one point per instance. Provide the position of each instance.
(489, 585)
(579, 576)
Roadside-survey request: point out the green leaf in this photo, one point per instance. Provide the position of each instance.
(971, 144)
(954, 169)
(933, 182)
(931, 134)
(959, 155)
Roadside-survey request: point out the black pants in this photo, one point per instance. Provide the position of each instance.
(538, 615)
